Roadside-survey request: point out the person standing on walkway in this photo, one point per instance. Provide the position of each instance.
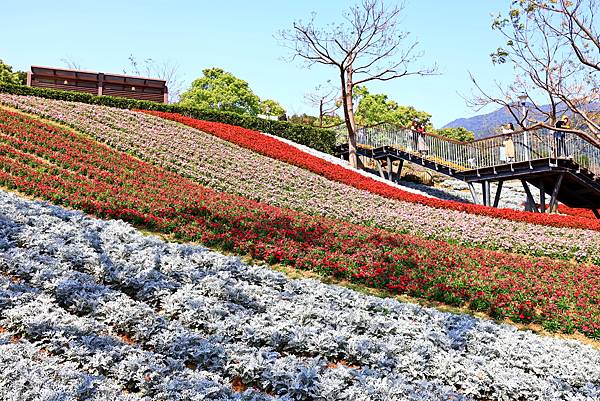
(414, 127)
(508, 128)
(559, 137)
(508, 145)
(421, 144)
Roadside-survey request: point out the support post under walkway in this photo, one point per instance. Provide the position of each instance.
(473, 193)
(542, 197)
(553, 207)
(380, 168)
(530, 205)
(498, 192)
(487, 193)
(400, 166)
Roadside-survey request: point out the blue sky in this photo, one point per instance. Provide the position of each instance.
(238, 36)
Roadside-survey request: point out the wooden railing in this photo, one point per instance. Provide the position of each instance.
(517, 147)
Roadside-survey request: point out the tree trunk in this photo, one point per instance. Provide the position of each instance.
(346, 80)
(321, 113)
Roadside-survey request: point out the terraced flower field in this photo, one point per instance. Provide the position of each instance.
(70, 169)
(93, 310)
(221, 165)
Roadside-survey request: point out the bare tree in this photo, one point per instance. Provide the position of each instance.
(326, 98)
(71, 63)
(554, 47)
(165, 70)
(366, 46)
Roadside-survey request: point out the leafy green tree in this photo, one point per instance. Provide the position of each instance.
(458, 134)
(22, 75)
(378, 108)
(328, 121)
(222, 90)
(304, 119)
(270, 107)
(7, 76)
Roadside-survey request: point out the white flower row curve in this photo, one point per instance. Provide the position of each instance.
(197, 320)
(343, 163)
(513, 197)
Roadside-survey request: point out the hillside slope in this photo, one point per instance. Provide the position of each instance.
(489, 124)
(223, 166)
(484, 125)
(71, 169)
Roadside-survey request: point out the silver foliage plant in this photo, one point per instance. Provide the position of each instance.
(106, 313)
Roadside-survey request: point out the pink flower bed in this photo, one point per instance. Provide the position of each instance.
(273, 148)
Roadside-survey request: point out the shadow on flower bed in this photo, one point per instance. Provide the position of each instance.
(296, 338)
(429, 190)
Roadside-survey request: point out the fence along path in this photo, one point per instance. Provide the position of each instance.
(564, 165)
(487, 152)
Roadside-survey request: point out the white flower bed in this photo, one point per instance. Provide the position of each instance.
(131, 372)
(29, 374)
(121, 311)
(405, 185)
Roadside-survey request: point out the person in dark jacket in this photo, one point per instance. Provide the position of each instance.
(559, 137)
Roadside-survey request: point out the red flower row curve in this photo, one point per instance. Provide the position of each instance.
(276, 149)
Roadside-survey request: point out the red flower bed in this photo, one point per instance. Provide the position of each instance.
(75, 171)
(572, 211)
(274, 148)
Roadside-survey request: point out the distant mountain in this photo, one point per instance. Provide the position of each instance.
(485, 125)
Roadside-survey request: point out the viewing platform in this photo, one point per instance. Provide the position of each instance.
(552, 168)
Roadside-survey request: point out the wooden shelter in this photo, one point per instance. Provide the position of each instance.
(99, 83)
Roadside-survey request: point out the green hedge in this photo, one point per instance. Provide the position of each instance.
(316, 138)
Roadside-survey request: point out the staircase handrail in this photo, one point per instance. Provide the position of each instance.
(541, 143)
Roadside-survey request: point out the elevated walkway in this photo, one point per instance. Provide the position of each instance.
(564, 169)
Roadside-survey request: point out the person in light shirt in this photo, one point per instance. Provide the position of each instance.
(508, 145)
